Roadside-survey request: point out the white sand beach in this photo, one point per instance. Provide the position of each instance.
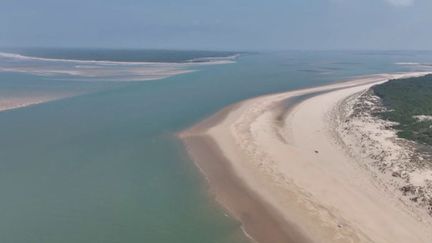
(284, 150)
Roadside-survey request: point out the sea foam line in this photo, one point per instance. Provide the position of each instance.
(207, 60)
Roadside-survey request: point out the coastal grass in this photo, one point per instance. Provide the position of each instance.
(407, 101)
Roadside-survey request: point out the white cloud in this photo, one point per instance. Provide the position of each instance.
(400, 2)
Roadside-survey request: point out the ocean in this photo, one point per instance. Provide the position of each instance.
(105, 165)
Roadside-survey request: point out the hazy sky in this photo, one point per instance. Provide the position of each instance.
(218, 24)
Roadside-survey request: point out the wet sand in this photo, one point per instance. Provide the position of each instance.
(260, 221)
(272, 186)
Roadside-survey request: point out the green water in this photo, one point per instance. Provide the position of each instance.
(106, 166)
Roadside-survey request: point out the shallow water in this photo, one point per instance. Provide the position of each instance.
(105, 166)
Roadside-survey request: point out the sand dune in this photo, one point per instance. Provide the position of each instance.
(282, 152)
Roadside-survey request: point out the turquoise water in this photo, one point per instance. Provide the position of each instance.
(106, 166)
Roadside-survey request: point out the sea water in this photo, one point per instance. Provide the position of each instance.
(105, 166)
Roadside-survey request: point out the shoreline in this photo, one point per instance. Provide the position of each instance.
(272, 204)
(260, 221)
(399, 164)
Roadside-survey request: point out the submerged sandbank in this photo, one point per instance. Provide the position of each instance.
(21, 101)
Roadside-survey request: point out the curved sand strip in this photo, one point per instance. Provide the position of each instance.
(275, 164)
(12, 103)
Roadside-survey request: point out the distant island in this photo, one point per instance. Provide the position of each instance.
(124, 55)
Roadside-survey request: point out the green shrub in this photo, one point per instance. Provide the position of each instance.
(404, 99)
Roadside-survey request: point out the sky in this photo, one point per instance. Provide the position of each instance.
(218, 24)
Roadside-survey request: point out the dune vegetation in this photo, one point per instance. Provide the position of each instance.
(408, 102)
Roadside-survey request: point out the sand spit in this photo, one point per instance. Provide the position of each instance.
(16, 102)
(275, 162)
(103, 70)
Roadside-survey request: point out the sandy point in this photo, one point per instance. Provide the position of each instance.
(275, 165)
